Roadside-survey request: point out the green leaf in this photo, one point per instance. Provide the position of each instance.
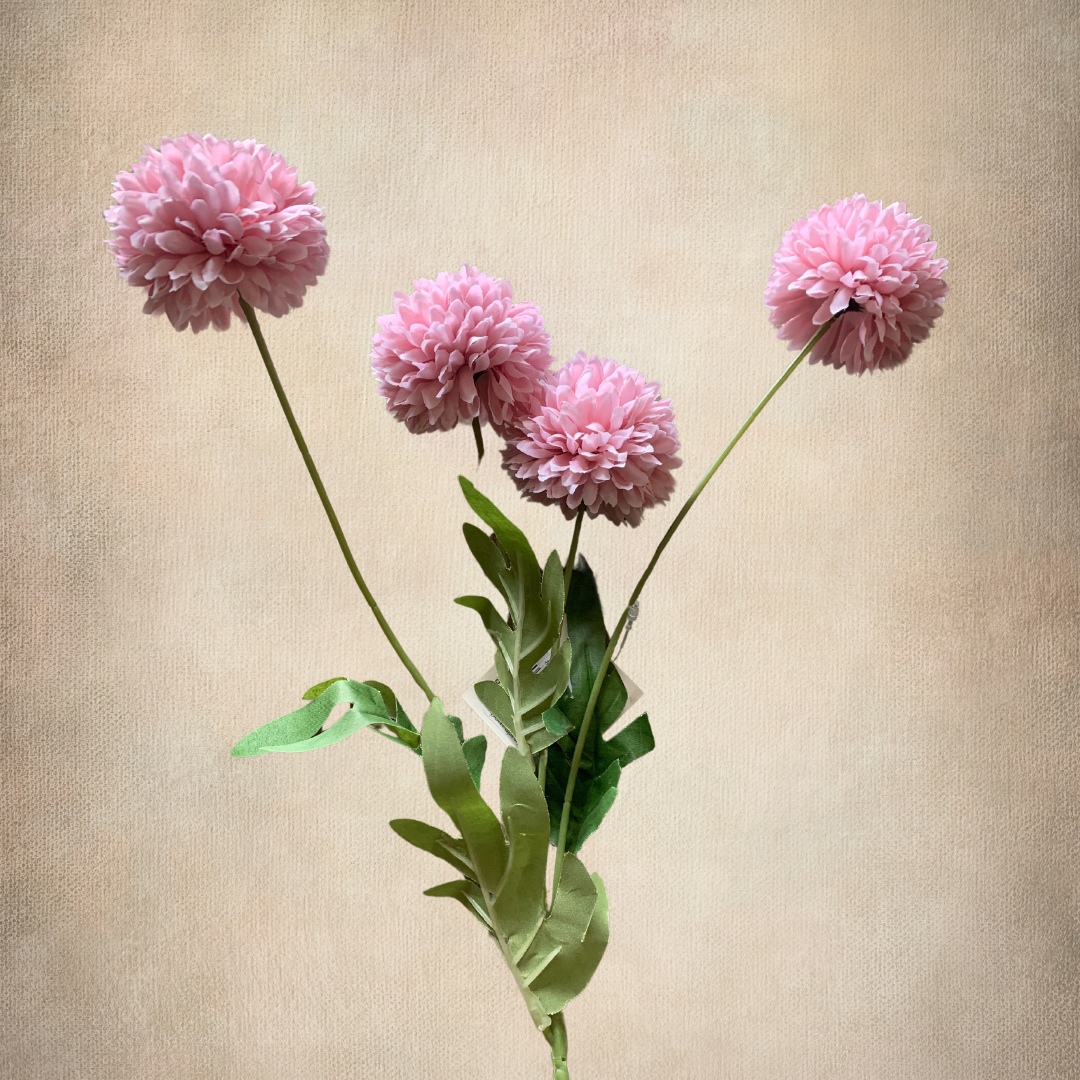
(434, 841)
(318, 688)
(557, 723)
(565, 952)
(302, 729)
(569, 973)
(634, 741)
(452, 787)
(552, 956)
(596, 785)
(494, 698)
(533, 669)
(602, 792)
(393, 706)
(521, 901)
(494, 623)
(475, 750)
(467, 893)
(518, 560)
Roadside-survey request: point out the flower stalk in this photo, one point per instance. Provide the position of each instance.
(264, 352)
(594, 694)
(555, 1034)
(568, 568)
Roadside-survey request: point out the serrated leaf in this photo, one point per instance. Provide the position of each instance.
(302, 729)
(428, 838)
(532, 667)
(593, 794)
(519, 562)
(475, 750)
(602, 792)
(452, 787)
(634, 741)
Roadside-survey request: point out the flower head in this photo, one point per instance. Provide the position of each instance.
(203, 221)
(872, 265)
(601, 436)
(457, 348)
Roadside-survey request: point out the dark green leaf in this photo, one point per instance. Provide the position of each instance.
(634, 741)
(602, 792)
(595, 787)
(455, 723)
(475, 750)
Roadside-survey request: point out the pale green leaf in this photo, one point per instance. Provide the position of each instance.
(301, 730)
(435, 841)
(520, 903)
(452, 787)
(569, 973)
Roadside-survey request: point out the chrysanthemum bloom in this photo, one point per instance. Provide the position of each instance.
(602, 436)
(459, 348)
(203, 221)
(873, 265)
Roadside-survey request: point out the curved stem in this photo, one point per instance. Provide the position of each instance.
(325, 499)
(594, 694)
(555, 1034)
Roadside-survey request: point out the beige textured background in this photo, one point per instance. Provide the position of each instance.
(854, 852)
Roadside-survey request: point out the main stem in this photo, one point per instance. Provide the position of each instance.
(555, 1034)
(594, 694)
(264, 352)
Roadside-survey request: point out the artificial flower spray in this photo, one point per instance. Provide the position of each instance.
(211, 228)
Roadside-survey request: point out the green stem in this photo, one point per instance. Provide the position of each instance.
(317, 481)
(594, 694)
(568, 569)
(478, 436)
(555, 1034)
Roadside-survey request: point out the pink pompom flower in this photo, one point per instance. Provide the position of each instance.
(458, 348)
(602, 436)
(874, 266)
(204, 221)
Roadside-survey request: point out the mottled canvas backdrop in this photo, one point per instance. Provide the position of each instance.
(853, 853)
